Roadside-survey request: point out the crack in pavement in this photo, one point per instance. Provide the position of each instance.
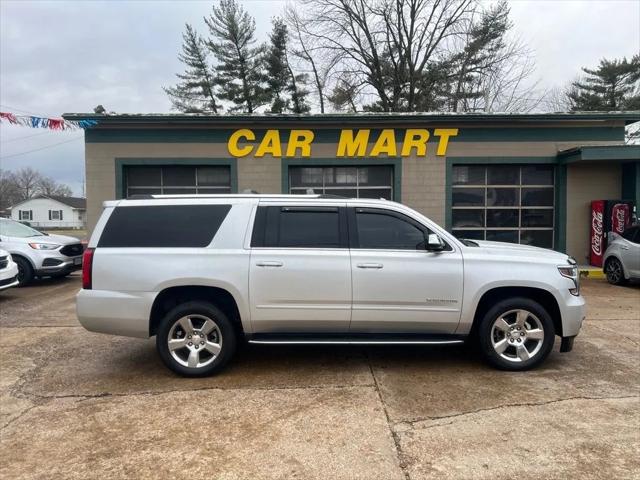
(411, 424)
(22, 327)
(20, 393)
(18, 417)
(396, 440)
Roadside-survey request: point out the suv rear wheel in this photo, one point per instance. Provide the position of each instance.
(196, 339)
(516, 334)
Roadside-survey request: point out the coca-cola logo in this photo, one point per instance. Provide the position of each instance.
(597, 223)
(619, 217)
(596, 237)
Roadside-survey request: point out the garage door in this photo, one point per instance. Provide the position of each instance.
(506, 203)
(168, 180)
(375, 181)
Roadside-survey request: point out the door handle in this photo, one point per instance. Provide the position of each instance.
(624, 247)
(370, 265)
(269, 264)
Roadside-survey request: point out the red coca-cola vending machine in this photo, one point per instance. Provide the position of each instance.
(607, 216)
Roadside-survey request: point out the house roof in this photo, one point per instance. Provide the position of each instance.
(351, 118)
(73, 202)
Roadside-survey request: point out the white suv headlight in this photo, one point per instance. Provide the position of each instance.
(44, 246)
(571, 272)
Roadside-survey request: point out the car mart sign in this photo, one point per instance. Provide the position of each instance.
(351, 143)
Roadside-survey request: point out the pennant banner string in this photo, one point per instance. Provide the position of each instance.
(43, 122)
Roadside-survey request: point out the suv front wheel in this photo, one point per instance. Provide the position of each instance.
(516, 334)
(196, 339)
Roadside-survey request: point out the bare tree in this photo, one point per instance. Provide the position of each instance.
(9, 192)
(312, 57)
(27, 182)
(48, 186)
(389, 44)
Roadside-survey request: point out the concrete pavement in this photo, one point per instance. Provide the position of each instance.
(79, 405)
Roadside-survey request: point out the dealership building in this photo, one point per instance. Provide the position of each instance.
(524, 178)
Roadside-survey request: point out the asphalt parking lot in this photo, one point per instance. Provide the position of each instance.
(79, 405)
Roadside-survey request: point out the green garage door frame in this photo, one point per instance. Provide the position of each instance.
(394, 162)
(121, 163)
(560, 210)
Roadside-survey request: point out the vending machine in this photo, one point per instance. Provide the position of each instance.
(607, 216)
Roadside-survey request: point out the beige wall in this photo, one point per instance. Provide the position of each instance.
(423, 179)
(586, 182)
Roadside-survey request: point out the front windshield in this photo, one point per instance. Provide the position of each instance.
(11, 228)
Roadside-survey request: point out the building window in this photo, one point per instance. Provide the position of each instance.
(55, 214)
(352, 182)
(506, 203)
(25, 214)
(173, 180)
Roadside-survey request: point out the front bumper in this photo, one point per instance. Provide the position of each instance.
(9, 276)
(53, 262)
(573, 311)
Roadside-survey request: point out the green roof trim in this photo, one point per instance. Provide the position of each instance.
(622, 153)
(358, 118)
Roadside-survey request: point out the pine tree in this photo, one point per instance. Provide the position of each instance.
(239, 70)
(277, 68)
(613, 85)
(484, 43)
(195, 93)
(281, 77)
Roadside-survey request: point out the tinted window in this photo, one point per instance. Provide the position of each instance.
(163, 226)
(382, 231)
(297, 227)
(631, 234)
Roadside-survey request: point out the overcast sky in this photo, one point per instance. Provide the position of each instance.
(69, 56)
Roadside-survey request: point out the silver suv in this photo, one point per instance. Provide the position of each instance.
(39, 254)
(201, 273)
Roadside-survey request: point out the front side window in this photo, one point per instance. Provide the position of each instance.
(379, 230)
(507, 203)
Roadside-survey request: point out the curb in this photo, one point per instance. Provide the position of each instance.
(592, 272)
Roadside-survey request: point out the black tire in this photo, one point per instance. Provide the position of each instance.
(196, 309)
(501, 310)
(614, 271)
(25, 271)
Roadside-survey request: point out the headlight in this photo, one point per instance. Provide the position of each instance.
(571, 272)
(44, 246)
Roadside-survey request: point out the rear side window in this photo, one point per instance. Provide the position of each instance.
(163, 226)
(299, 227)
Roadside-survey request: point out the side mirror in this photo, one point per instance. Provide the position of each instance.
(435, 243)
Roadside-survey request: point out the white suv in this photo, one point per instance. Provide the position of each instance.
(201, 273)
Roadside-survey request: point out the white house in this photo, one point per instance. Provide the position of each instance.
(51, 211)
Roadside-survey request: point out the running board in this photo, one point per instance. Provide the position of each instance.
(355, 339)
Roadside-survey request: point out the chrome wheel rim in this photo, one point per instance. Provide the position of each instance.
(517, 335)
(195, 341)
(614, 271)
